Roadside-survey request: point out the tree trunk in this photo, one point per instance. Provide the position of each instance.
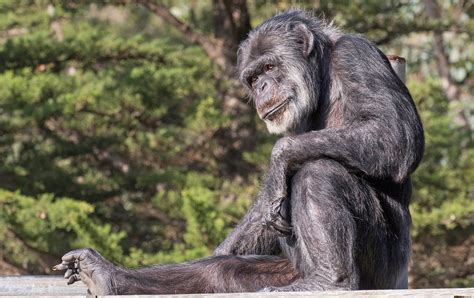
(231, 26)
(451, 90)
(231, 21)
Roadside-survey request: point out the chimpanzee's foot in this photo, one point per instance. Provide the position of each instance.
(277, 218)
(89, 266)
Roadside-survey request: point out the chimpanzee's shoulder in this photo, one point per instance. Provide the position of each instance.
(355, 53)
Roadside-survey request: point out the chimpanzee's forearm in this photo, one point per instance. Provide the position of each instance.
(250, 236)
(210, 275)
(371, 147)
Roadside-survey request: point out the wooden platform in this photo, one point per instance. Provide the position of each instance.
(54, 286)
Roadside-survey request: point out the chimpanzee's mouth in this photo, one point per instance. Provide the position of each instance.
(270, 115)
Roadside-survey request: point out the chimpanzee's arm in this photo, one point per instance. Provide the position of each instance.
(217, 274)
(381, 134)
(250, 236)
(370, 148)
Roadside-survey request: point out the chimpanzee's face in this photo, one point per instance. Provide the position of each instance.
(274, 70)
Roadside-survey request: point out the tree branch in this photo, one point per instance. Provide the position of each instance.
(212, 47)
(451, 90)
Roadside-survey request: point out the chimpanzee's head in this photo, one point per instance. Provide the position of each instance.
(279, 66)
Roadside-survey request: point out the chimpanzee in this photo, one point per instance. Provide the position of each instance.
(333, 210)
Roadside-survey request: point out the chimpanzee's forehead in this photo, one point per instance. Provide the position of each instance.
(259, 45)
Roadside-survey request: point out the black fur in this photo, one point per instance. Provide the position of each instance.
(335, 198)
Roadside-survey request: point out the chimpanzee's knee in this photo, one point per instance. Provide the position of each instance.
(322, 180)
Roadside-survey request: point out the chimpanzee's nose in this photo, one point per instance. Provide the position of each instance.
(263, 86)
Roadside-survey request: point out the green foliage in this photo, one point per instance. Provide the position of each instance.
(111, 132)
(443, 182)
(53, 225)
(105, 118)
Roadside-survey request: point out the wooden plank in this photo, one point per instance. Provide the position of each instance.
(54, 286)
(459, 292)
(40, 286)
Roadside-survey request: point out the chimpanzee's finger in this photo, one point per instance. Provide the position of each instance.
(280, 232)
(279, 225)
(282, 225)
(69, 272)
(70, 259)
(60, 267)
(73, 279)
(77, 254)
(269, 225)
(63, 266)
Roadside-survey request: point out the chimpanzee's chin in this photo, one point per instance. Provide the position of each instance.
(278, 127)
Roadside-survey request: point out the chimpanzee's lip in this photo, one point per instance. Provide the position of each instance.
(269, 114)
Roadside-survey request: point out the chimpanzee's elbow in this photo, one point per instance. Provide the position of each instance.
(411, 151)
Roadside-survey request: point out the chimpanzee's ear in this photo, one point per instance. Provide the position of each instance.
(305, 38)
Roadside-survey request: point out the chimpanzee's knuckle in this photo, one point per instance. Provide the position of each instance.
(89, 253)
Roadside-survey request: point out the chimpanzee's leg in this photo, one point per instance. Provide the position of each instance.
(325, 231)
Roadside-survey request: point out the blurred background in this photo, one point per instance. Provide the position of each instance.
(123, 128)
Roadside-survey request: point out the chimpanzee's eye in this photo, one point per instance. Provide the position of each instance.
(252, 80)
(269, 67)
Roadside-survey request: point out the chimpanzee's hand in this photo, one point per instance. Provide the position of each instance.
(89, 266)
(275, 190)
(277, 220)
